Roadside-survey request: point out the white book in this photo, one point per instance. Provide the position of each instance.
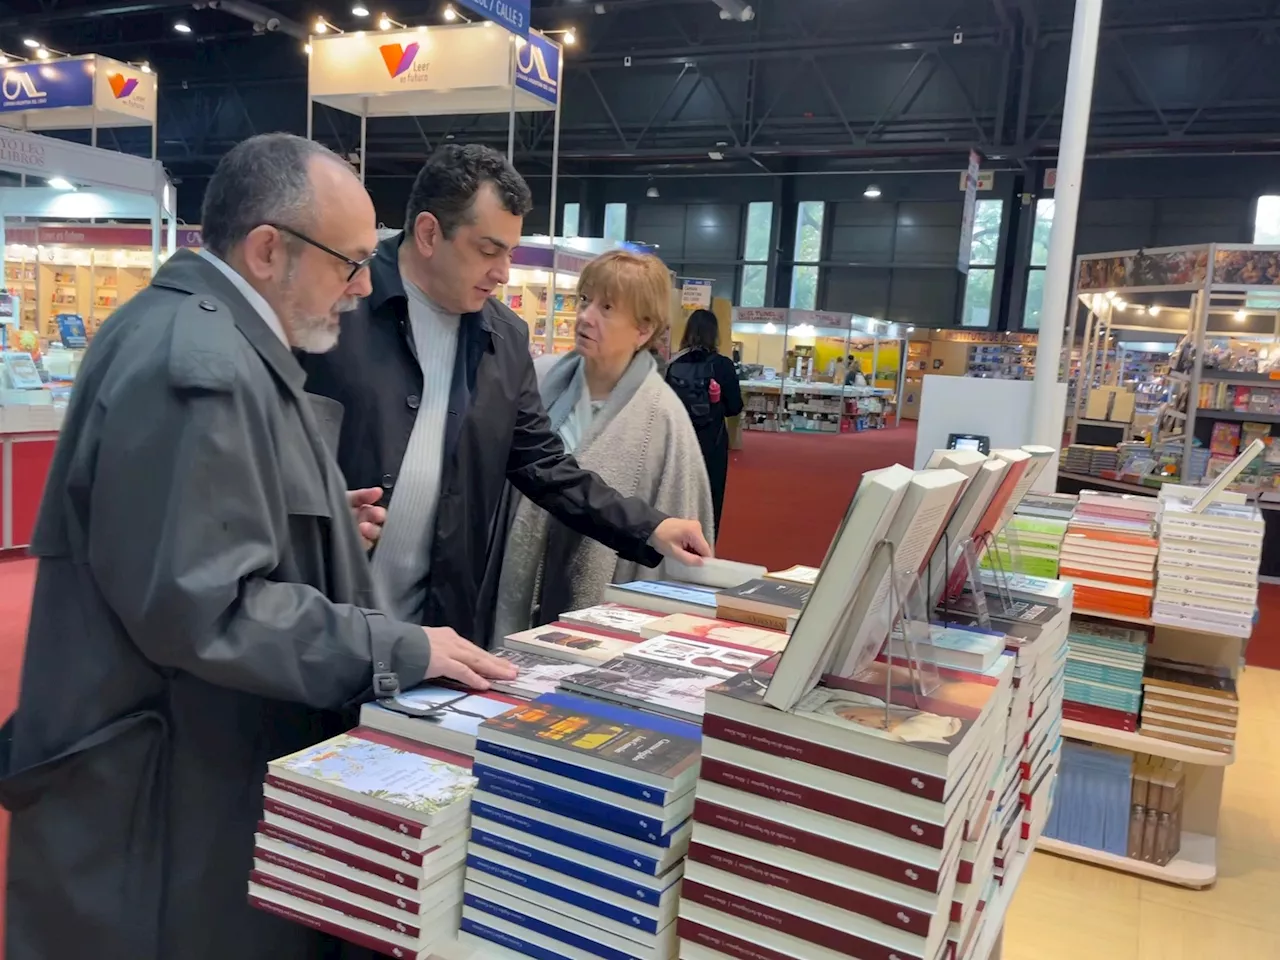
(966, 461)
(812, 643)
(713, 572)
(926, 505)
(1021, 488)
(968, 512)
(708, 658)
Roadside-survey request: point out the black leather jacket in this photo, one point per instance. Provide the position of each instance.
(497, 431)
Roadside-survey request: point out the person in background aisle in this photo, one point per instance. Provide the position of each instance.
(610, 408)
(707, 383)
(442, 408)
(203, 602)
(853, 375)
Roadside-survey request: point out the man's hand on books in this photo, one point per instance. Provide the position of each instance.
(681, 540)
(456, 659)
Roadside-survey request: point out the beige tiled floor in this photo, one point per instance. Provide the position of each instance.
(1071, 911)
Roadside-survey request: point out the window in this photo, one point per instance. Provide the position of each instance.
(1039, 257)
(572, 213)
(979, 288)
(755, 251)
(1266, 232)
(615, 222)
(804, 280)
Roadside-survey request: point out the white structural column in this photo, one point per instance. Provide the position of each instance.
(1047, 413)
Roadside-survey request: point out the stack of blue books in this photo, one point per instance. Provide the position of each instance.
(1104, 674)
(1094, 789)
(580, 826)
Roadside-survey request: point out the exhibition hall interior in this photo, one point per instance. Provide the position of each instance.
(997, 283)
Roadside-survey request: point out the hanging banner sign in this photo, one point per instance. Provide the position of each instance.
(970, 206)
(538, 67)
(88, 90)
(512, 14)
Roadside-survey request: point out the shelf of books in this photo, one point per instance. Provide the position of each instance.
(852, 761)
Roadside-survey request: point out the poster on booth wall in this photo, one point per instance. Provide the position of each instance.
(71, 329)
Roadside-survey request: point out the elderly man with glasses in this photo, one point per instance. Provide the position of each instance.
(203, 603)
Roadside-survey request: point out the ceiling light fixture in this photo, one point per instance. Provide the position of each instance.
(60, 183)
(181, 26)
(324, 26)
(359, 10)
(570, 38)
(652, 193)
(144, 67)
(451, 14)
(386, 23)
(1242, 316)
(1154, 310)
(42, 53)
(872, 192)
(306, 48)
(33, 44)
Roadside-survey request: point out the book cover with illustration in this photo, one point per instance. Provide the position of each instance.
(362, 769)
(539, 673)
(771, 593)
(610, 616)
(661, 687)
(717, 631)
(591, 730)
(566, 643)
(706, 658)
(668, 590)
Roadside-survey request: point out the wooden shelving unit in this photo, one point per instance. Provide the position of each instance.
(1196, 865)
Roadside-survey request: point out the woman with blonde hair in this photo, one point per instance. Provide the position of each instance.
(613, 412)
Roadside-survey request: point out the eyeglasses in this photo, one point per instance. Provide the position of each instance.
(355, 265)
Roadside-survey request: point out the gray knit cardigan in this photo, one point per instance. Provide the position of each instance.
(642, 444)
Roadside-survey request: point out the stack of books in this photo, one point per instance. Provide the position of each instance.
(1104, 674)
(1109, 554)
(1209, 567)
(1096, 787)
(1028, 544)
(1155, 816)
(364, 836)
(1191, 704)
(579, 831)
(847, 825)
(632, 623)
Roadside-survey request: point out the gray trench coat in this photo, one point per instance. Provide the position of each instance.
(201, 607)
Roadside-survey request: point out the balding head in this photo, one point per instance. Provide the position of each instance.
(293, 219)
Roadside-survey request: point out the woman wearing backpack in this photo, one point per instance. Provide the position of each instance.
(707, 384)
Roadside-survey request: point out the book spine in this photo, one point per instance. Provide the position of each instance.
(724, 943)
(785, 791)
(752, 618)
(884, 911)
(790, 748)
(346, 833)
(406, 828)
(824, 848)
(346, 882)
(566, 804)
(544, 888)
(348, 934)
(408, 879)
(333, 903)
(551, 931)
(549, 861)
(772, 918)
(596, 848)
(502, 939)
(583, 774)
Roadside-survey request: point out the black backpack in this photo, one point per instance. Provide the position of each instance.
(691, 381)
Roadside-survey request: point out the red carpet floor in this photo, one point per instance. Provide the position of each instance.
(786, 495)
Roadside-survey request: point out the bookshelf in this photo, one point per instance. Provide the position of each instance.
(1196, 864)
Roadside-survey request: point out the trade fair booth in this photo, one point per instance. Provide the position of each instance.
(83, 229)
